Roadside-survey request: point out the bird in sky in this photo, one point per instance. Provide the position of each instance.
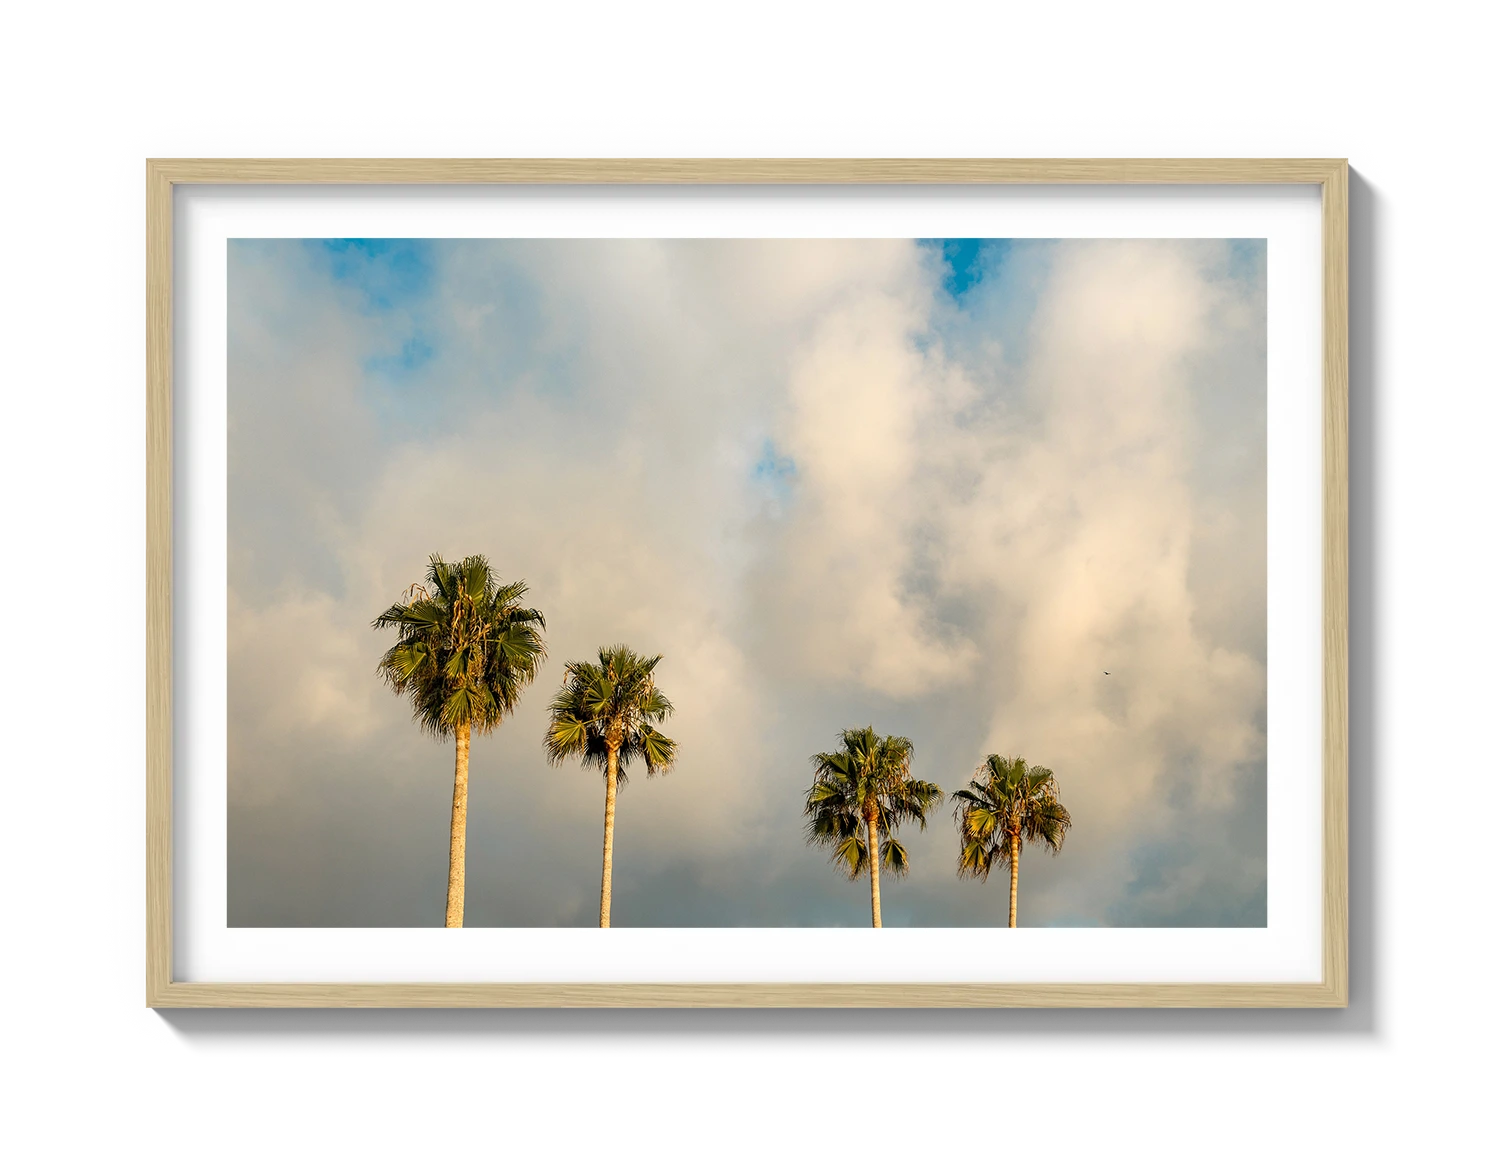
(1106, 672)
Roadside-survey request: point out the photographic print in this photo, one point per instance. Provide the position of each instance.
(747, 583)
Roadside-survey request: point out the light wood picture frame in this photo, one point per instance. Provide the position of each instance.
(163, 176)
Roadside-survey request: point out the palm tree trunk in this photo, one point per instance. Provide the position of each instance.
(609, 834)
(1015, 873)
(458, 828)
(874, 871)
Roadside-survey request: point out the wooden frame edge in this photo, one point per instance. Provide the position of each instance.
(159, 461)
(1336, 580)
(750, 995)
(162, 175)
(743, 171)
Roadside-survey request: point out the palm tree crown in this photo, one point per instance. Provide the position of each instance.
(613, 703)
(1007, 803)
(860, 795)
(466, 647)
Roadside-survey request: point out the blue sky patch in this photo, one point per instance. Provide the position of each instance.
(415, 352)
(774, 471)
(1247, 260)
(967, 261)
(388, 274)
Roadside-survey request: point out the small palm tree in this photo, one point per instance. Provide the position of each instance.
(1007, 802)
(466, 648)
(860, 795)
(606, 715)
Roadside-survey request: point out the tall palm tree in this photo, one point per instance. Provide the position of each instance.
(606, 715)
(1006, 803)
(466, 648)
(860, 795)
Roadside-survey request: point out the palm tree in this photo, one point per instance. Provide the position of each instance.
(1007, 802)
(606, 715)
(465, 650)
(860, 795)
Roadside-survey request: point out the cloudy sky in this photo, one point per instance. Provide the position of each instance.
(937, 486)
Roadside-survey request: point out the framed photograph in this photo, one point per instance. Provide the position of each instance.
(737, 583)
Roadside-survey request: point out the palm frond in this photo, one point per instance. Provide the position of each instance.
(981, 822)
(521, 615)
(1049, 823)
(974, 858)
(852, 855)
(893, 857)
(659, 752)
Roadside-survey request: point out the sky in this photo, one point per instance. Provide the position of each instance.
(936, 486)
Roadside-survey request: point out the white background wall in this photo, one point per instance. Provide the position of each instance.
(1408, 97)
